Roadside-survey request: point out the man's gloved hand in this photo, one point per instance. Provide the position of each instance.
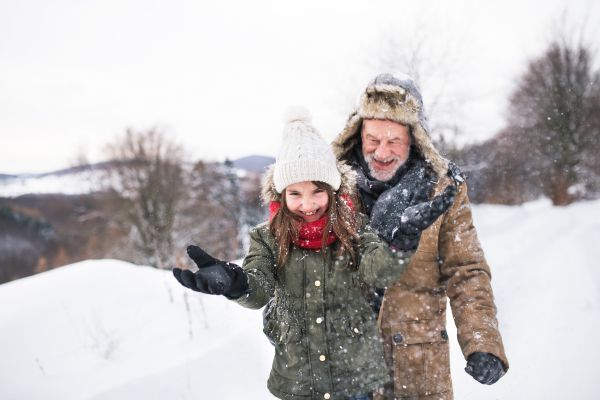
(485, 368)
(213, 276)
(402, 228)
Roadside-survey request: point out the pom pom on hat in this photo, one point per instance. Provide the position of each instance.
(304, 155)
(296, 113)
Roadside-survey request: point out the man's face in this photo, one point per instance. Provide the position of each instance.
(385, 146)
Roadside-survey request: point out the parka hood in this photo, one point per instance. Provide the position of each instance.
(395, 98)
(269, 192)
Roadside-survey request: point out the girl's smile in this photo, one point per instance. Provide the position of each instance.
(309, 213)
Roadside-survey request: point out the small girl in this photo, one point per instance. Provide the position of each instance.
(310, 257)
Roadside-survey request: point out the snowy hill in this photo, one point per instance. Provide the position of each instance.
(105, 329)
(70, 181)
(253, 163)
(80, 181)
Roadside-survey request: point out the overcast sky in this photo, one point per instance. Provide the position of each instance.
(217, 75)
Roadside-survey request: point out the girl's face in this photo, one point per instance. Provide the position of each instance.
(306, 200)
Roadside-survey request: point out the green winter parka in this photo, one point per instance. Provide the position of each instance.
(327, 343)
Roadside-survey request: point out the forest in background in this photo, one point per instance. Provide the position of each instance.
(210, 203)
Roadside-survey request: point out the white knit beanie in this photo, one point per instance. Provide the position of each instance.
(304, 154)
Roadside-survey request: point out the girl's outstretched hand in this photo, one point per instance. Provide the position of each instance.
(213, 276)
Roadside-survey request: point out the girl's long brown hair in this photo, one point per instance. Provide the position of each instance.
(284, 227)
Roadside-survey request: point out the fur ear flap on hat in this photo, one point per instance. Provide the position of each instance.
(304, 155)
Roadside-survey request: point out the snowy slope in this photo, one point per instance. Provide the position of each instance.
(99, 326)
(65, 183)
(546, 280)
(105, 329)
(74, 181)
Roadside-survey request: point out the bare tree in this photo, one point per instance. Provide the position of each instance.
(497, 170)
(211, 216)
(554, 113)
(146, 186)
(161, 203)
(435, 63)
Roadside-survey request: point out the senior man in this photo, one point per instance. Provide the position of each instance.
(387, 142)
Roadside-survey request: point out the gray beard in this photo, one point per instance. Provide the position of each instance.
(381, 175)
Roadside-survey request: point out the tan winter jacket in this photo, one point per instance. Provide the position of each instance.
(448, 263)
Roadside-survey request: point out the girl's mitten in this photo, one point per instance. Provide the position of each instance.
(213, 276)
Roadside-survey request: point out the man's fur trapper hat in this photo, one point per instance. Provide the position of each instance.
(269, 193)
(395, 98)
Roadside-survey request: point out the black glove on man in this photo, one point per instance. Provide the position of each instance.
(485, 368)
(402, 227)
(213, 276)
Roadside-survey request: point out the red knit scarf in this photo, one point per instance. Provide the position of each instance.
(310, 234)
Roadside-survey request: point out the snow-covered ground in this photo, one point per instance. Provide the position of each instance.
(105, 329)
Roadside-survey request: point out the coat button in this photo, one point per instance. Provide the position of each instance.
(444, 335)
(317, 283)
(322, 358)
(326, 396)
(398, 338)
(319, 320)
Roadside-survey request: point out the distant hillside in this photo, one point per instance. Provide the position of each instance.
(75, 180)
(53, 219)
(253, 163)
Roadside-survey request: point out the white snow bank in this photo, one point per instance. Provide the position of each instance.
(105, 329)
(546, 280)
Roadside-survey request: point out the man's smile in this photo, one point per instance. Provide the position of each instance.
(383, 164)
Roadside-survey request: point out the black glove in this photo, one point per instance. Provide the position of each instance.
(485, 368)
(213, 276)
(402, 228)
